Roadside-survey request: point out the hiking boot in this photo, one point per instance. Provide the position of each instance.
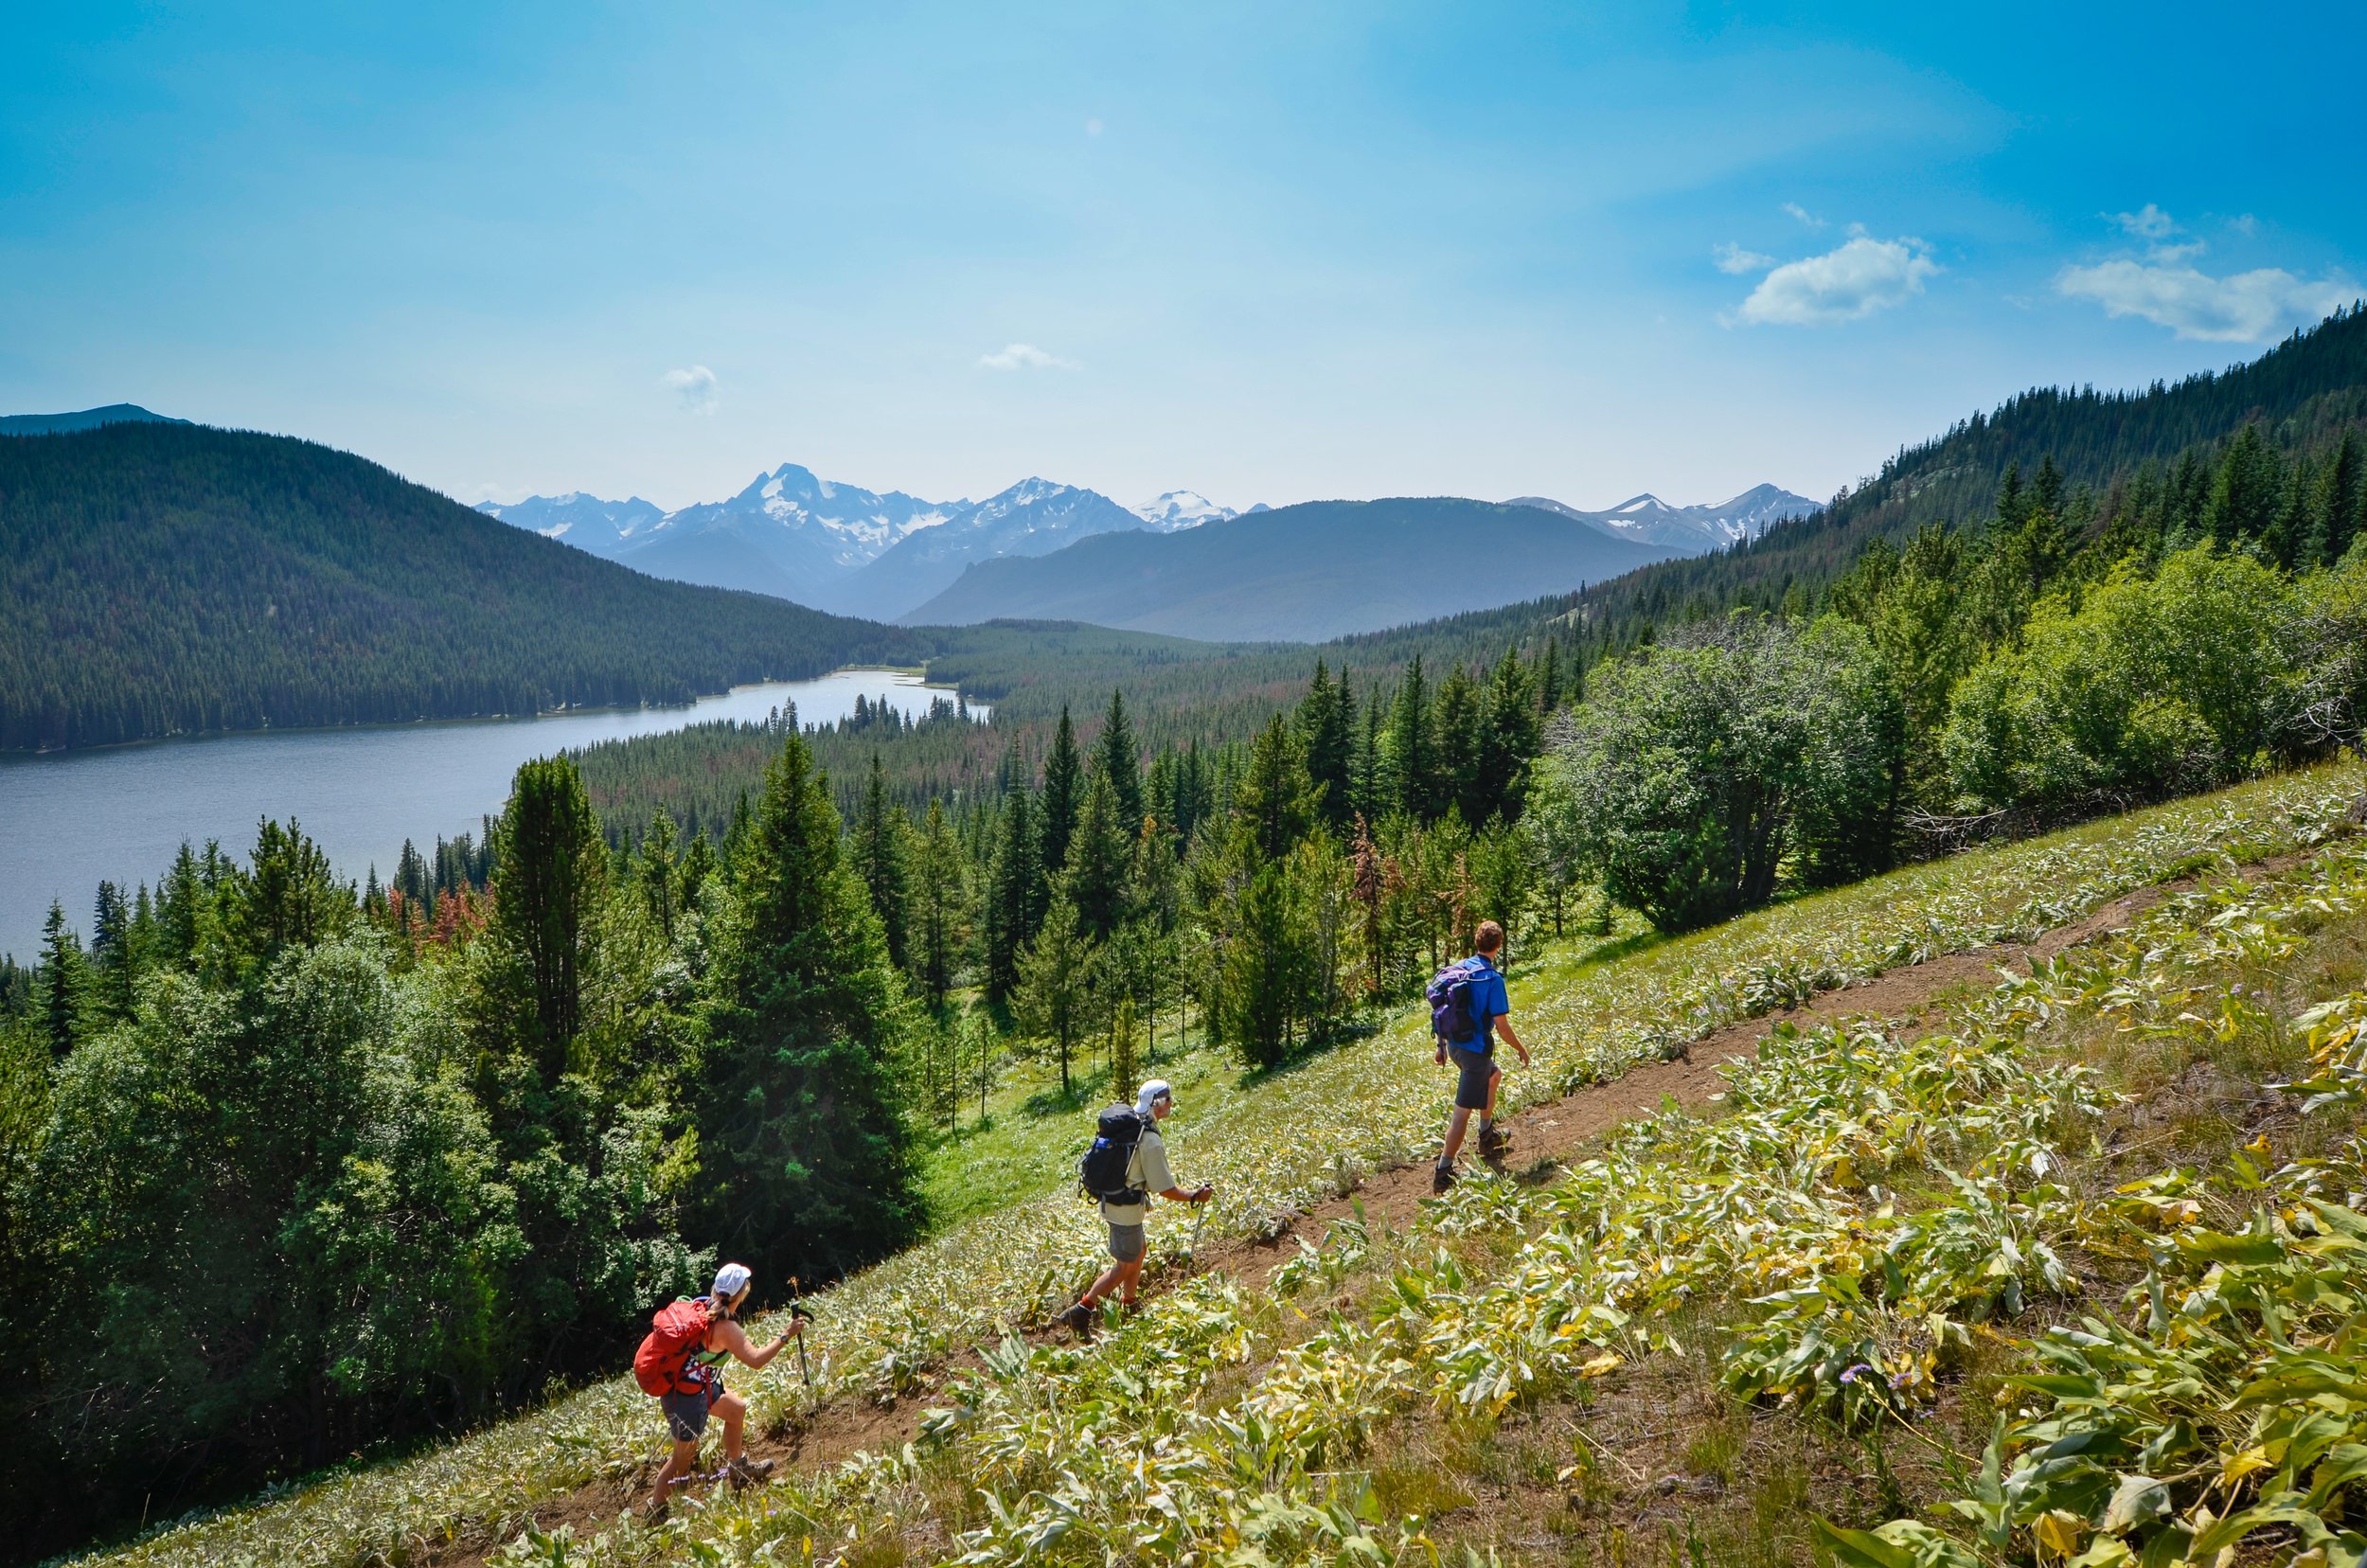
(1492, 1139)
(1079, 1317)
(656, 1513)
(1441, 1178)
(748, 1472)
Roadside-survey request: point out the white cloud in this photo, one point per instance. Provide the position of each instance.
(694, 384)
(1024, 356)
(2250, 307)
(1864, 276)
(2148, 222)
(1804, 215)
(1734, 259)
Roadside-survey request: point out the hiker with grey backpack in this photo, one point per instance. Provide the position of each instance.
(1468, 1010)
(1126, 1166)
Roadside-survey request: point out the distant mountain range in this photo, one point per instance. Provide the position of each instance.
(89, 419)
(1300, 574)
(885, 555)
(1688, 530)
(859, 551)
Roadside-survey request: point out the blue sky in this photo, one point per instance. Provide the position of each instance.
(1266, 252)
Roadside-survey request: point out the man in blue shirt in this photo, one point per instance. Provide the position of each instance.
(1475, 1065)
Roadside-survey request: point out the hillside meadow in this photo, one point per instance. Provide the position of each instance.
(1378, 1401)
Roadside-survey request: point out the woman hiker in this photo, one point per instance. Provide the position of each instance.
(683, 1356)
(1145, 1173)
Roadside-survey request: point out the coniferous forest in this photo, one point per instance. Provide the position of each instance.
(333, 1164)
(165, 578)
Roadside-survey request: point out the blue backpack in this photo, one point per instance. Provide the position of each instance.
(1450, 994)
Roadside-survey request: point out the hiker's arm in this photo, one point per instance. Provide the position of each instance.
(1179, 1196)
(735, 1340)
(1503, 1027)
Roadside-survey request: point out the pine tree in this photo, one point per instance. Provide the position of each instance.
(1015, 880)
(1410, 748)
(805, 1155)
(1115, 755)
(287, 898)
(1509, 734)
(60, 983)
(112, 963)
(1549, 676)
(1099, 857)
(553, 874)
(1275, 804)
(1459, 741)
(2336, 508)
(1055, 984)
(182, 908)
(1062, 792)
(658, 873)
(2246, 490)
(939, 899)
(878, 855)
(1326, 724)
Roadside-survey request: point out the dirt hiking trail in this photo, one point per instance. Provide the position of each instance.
(1539, 1138)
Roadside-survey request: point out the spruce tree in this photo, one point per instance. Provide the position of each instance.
(1509, 733)
(1099, 856)
(805, 1156)
(1408, 749)
(1275, 804)
(1014, 882)
(111, 960)
(1055, 984)
(1459, 743)
(553, 869)
(658, 873)
(879, 852)
(1115, 755)
(1327, 723)
(61, 982)
(938, 901)
(1063, 790)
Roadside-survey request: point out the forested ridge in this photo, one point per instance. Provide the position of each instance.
(163, 578)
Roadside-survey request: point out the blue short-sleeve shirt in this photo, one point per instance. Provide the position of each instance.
(1489, 1002)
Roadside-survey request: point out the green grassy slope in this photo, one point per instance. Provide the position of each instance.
(1151, 1439)
(159, 578)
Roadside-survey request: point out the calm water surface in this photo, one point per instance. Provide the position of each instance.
(120, 814)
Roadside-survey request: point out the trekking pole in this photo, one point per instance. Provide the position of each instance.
(1191, 1253)
(798, 1315)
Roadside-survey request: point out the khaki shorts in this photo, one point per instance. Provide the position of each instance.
(1129, 1242)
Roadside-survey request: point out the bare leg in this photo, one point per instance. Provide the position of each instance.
(734, 1412)
(1119, 1277)
(1455, 1124)
(678, 1463)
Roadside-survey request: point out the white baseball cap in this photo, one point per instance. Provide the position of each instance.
(1151, 1093)
(730, 1281)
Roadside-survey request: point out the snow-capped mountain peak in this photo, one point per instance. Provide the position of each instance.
(1181, 509)
(1693, 529)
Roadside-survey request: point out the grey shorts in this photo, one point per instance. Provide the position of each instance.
(1129, 1242)
(1473, 1069)
(687, 1413)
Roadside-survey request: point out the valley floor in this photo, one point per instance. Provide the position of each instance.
(1741, 1287)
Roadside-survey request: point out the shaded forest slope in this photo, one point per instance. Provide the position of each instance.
(161, 578)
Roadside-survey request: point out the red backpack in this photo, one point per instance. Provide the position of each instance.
(678, 1332)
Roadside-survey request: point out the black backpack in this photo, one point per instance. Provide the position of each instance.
(1103, 1171)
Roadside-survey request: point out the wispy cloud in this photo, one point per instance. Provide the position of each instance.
(2247, 307)
(1734, 259)
(1804, 215)
(1864, 275)
(1024, 356)
(2165, 288)
(694, 384)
